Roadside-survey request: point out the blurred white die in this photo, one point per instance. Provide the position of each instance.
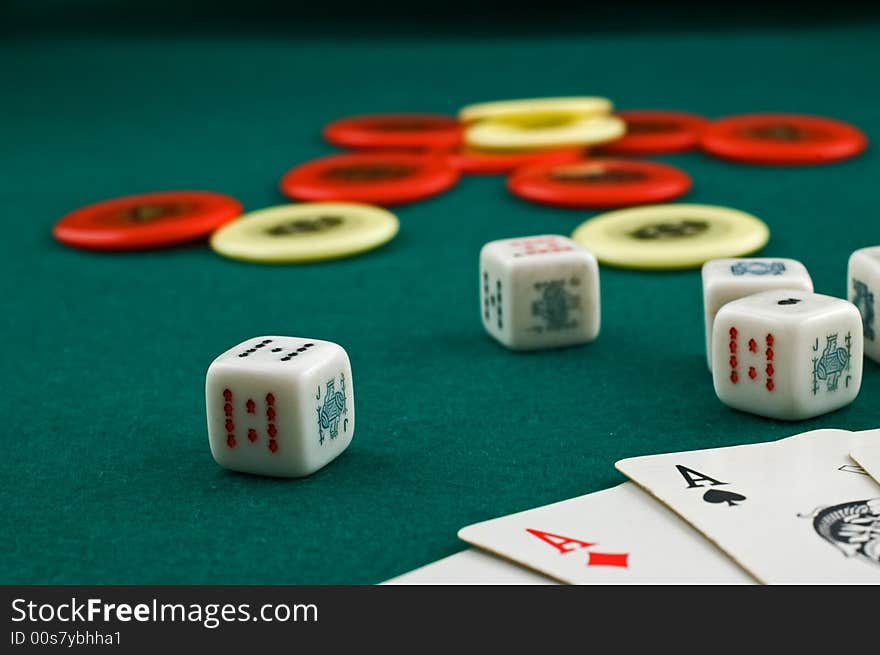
(280, 406)
(787, 354)
(539, 292)
(730, 279)
(863, 284)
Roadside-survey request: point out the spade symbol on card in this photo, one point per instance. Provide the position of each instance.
(719, 496)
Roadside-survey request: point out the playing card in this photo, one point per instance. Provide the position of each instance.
(617, 536)
(868, 457)
(790, 511)
(470, 567)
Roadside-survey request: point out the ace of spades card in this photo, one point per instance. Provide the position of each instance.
(793, 511)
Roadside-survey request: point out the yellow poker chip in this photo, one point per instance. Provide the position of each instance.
(576, 105)
(543, 130)
(673, 236)
(305, 232)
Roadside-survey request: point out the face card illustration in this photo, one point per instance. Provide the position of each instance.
(471, 567)
(793, 511)
(616, 536)
(868, 457)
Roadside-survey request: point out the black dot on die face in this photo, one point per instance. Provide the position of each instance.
(276, 350)
(267, 340)
(259, 345)
(301, 350)
(789, 301)
(243, 355)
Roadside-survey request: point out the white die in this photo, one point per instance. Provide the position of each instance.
(863, 289)
(280, 406)
(787, 354)
(725, 280)
(539, 292)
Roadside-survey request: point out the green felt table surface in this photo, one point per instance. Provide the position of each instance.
(106, 472)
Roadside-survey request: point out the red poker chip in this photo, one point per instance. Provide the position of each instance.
(497, 163)
(417, 131)
(148, 220)
(389, 178)
(782, 139)
(599, 183)
(657, 132)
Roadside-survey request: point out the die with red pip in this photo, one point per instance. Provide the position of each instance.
(279, 406)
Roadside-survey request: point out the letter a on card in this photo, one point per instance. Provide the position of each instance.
(693, 478)
(560, 543)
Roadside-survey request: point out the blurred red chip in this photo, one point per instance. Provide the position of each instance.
(148, 220)
(599, 183)
(782, 139)
(416, 131)
(657, 132)
(389, 178)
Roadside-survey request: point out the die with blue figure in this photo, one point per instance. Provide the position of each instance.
(725, 280)
(863, 290)
(539, 292)
(787, 354)
(279, 406)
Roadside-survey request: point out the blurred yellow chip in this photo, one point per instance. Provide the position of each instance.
(674, 236)
(543, 130)
(305, 232)
(578, 105)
